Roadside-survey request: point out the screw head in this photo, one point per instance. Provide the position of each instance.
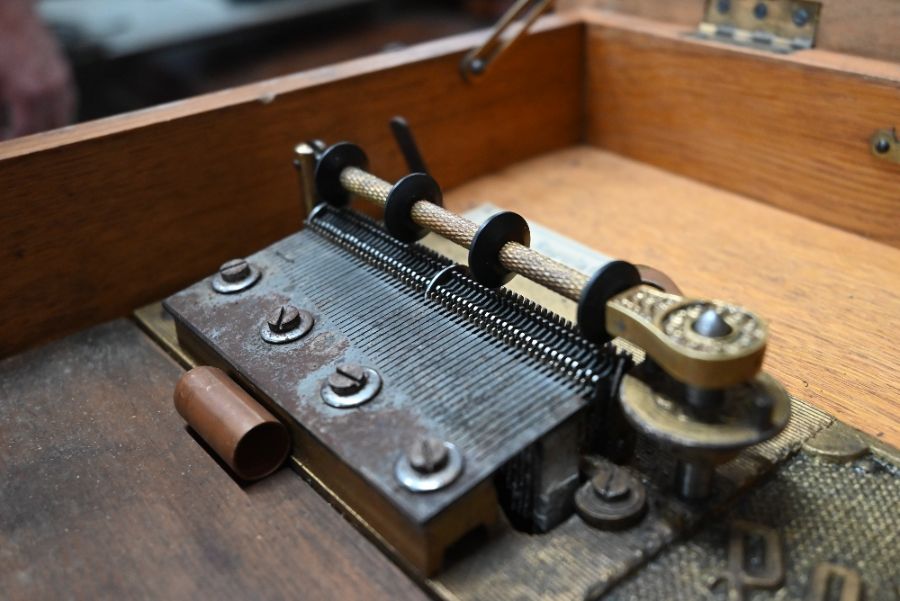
(800, 17)
(427, 454)
(429, 464)
(613, 499)
(611, 484)
(723, 6)
(760, 11)
(882, 146)
(284, 319)
(235, 270)
(347, 379)
(476, 66)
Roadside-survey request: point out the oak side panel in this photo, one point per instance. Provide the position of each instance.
(792, 131)
(862, 27)
(105, 495)
(832, 299)
(101, 218)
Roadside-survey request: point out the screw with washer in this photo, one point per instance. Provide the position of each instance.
(429, 464)
(427, 455)
(350, 385)
(234, 276)
(612, 499)
(284, 319)
(235, 270)
(286, 324)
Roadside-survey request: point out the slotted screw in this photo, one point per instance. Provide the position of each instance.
(347, 379)
(235, 270)
(427, 454)
(284, 319)
(610, 484)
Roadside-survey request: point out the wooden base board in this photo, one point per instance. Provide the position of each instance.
(832, 298)
(105, 494)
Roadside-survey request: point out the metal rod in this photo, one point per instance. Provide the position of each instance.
(477, 61)
(305, 162)
(520, 259)
(407, 143)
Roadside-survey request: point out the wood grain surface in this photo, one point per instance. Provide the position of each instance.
(792, 131)
(107, 216)
(832, 299)
(863, 27)
(105, 495)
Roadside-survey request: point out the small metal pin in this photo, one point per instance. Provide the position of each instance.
(305, 162)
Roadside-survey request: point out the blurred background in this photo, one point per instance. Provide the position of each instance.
(66, 61)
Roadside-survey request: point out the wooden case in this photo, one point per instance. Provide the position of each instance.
(744, 174)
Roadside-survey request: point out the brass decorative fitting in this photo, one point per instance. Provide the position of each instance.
(702, 343)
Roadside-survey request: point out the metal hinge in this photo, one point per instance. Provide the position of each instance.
(776, 25)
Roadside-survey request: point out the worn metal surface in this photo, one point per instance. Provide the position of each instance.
(574, 561)
(485, 370)
(840, 520)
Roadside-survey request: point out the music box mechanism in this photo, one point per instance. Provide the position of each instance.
(436, 403)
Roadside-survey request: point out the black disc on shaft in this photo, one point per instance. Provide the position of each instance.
(613, 278)
(484, 253)
(333, 161)
(405, 193)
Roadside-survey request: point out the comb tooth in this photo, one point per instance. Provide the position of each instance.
(507, 316)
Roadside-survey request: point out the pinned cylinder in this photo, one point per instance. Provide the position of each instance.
(246, 436)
